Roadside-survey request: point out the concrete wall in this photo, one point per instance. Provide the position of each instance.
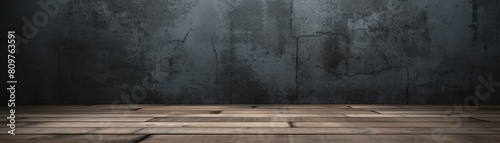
(259, 51)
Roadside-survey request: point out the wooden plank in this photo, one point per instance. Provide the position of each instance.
(84, 119)
(319, 109)
(178, 115)
(320, 131)
(297, 112)
(419, 109)
(435, 112)
(185, 106)
(428, 106)
(159, 109)
(403, 106)
(66, 131)
(174, 112)
(260, 124)
(262, 109)
(490, 119)
(155, 124)
(4, 126)
(302, 106)
(257, 123)
(313, 138)
(413, 107)
(253, 131)
(121, 112)
(51, 115)
(71, 138)
(420, 115)
(449, 106)
(370, 106)
(72, 109)
(395, 124)
(312, 119)
(473, 138)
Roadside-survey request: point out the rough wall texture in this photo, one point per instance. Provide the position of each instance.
(260, 51)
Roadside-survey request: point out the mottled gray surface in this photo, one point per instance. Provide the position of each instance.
(259, 51)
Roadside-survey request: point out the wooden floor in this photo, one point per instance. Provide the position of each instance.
(253, 123)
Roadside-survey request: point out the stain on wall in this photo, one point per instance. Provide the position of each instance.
(259, 51)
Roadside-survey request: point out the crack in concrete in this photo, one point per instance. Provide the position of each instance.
(376, 72)
(297, 38)
(296, 53)
(324, 68)
(185, 37)
(216, 66)
(357, 74)
(321, 33)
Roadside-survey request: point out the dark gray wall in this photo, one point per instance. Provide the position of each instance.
(258, 51)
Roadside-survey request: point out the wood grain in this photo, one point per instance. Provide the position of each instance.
(395, 124)
(315, 138)
(71, 138)
(318, 123)
(315, 119)
(157, 124)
